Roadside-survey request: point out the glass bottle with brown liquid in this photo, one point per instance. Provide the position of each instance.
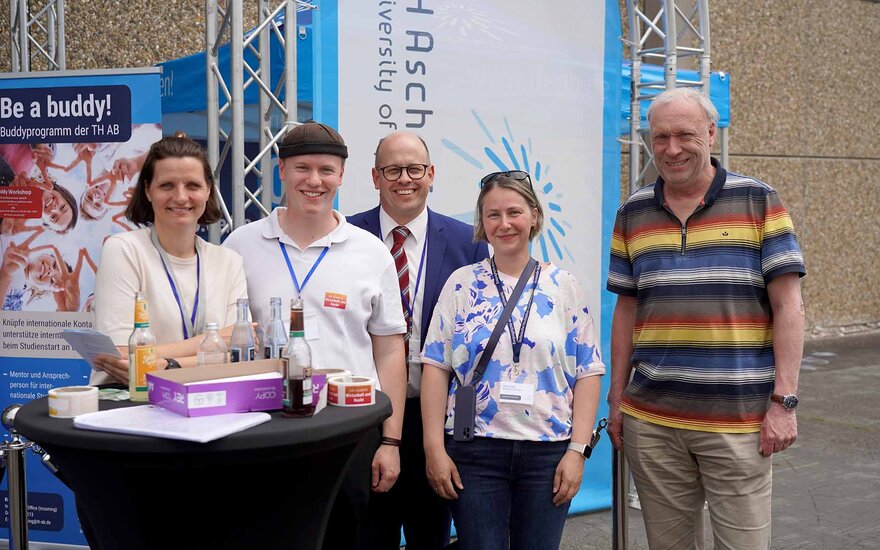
(297, 365)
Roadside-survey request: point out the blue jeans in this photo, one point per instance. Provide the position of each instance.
(507, 500)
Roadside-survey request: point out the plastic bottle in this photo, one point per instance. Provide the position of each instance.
(297, 367)
(212, 348)
(241, 344)
(274, 338)
(141, 350)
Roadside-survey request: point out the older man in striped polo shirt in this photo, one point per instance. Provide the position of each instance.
(707, 336)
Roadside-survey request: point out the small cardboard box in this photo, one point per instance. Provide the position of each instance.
(218, 389)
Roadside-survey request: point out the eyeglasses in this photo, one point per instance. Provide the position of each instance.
(517, 175)
(414, 171)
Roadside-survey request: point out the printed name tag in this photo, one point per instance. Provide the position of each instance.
(523, 394)
(332, 299)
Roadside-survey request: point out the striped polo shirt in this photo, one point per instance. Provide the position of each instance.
(703, 339)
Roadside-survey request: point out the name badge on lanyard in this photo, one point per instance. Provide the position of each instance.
(513, 392)
(194, 323)
(411, 304)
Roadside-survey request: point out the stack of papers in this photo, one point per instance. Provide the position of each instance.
(158, 422)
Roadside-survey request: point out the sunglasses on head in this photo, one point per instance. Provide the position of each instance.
(517, 175)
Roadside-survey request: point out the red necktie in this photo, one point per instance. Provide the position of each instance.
(400, 233)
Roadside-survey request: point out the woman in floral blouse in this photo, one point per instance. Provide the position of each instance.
(536, 403)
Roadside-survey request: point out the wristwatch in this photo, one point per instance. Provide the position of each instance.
(172, 363)
(580, 448)
(790, 401)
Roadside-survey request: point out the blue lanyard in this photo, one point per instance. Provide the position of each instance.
(192, 326)
(407, 303)
(516, 339)
(293, 273)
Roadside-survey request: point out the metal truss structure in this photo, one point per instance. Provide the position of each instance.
(674, 34)
(275, 114)
(37, 37)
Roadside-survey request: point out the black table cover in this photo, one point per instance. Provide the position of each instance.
(270, 486)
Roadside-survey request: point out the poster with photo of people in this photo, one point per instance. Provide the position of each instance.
(49, 258)
(71, 147)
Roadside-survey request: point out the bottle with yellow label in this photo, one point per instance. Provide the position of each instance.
(141, 350)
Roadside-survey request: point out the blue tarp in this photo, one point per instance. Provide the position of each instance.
(719, 92)
(184, 91)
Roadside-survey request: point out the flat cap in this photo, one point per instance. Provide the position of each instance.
(312, 138)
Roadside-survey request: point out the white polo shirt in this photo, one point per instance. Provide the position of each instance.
(416, 249)
(351, 294)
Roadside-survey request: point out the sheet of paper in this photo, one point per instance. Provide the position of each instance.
(158, 422)
(90, 343)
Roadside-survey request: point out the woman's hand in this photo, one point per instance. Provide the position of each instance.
(567, 480)
(14, 259)
(125, 168)
(42, 153)
(442, 474)
(115, 366)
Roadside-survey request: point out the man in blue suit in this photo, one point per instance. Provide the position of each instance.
(427, 247)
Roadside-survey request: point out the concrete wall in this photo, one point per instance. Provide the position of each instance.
(805, 119)
(804, 116)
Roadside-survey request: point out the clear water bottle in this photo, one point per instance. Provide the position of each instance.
(274, 338)
(212, 349)
(241, 344)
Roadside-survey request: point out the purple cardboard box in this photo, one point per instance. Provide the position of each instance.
(215, 389)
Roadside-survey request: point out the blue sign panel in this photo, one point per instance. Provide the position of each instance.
(76, 114)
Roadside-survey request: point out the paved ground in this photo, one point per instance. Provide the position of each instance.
(826, 491)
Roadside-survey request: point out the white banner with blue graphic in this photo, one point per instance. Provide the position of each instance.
(495, 86)
(71, 145)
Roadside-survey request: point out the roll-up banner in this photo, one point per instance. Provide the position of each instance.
(493, 86)
(71, 144)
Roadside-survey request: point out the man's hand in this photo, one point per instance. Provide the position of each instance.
(615, 423)
(386, 468)
(778, 430)
(442, 474)
(567, 479)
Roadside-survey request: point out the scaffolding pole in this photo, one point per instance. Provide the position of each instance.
(226, 107)
(667, 33)
(37, 37)
(661, 32)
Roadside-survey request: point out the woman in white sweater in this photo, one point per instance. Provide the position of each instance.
(187, 282)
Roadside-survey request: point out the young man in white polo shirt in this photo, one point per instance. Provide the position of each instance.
(348, 282)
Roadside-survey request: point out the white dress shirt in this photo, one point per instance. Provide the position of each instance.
(414, 245)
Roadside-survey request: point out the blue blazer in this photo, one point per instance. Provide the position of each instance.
(450, 246)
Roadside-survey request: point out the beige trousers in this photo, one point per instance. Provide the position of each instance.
(676, 470)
